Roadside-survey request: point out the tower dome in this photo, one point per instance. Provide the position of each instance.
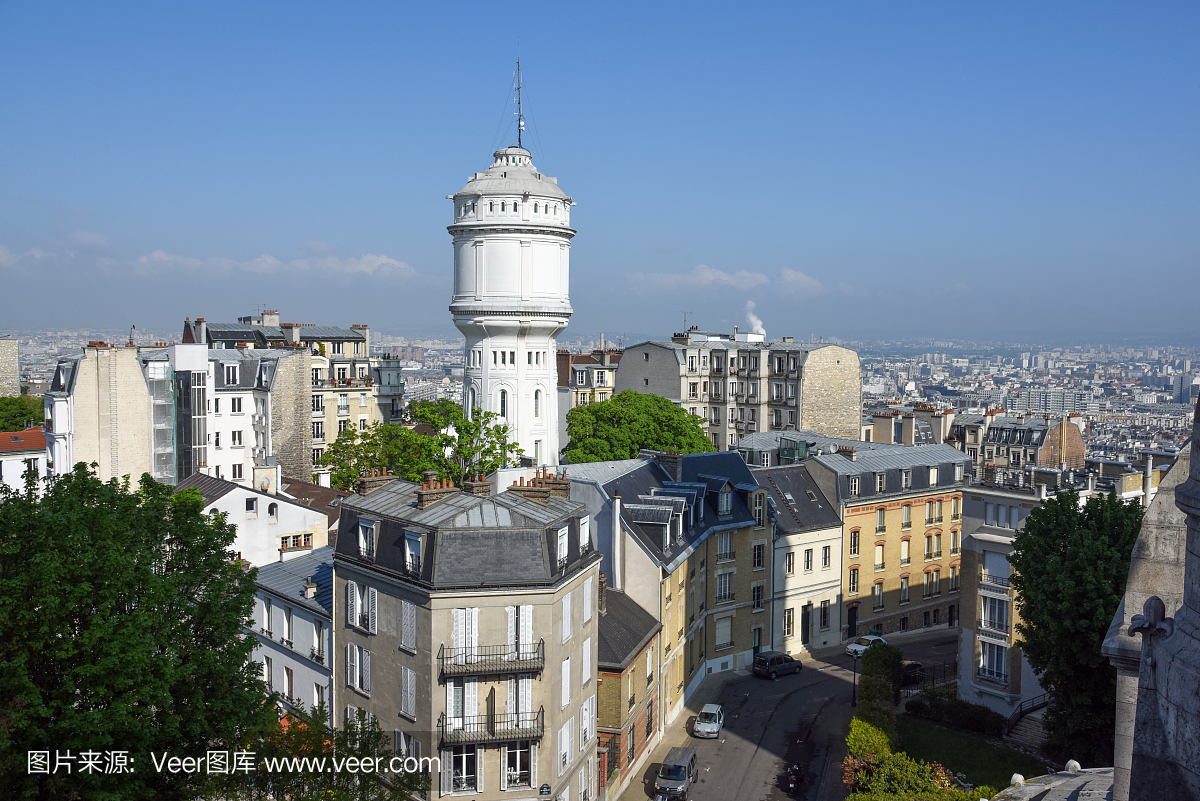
(512, 240)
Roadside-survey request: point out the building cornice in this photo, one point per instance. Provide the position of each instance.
(477, 229)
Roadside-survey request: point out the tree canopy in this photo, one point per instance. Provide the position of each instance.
(122, 619)
(455, 448)
(20, 412)
(627, 422)
(1070, 564)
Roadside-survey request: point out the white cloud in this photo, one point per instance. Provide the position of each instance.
(266, 264)
(796, 281)
(703, 275)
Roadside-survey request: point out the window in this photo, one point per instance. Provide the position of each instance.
(566, 617)
(537, 403)
(877, 595)
(318, 403)
(853, 590)
(216, 439)
(992, 659)
(318, 694)
(408, 625)
(251, 505)
(933, 476)
(853, 486)
(929, 547)
(789, 624)
(878, 557)
(758, 509)
(1002, 515)
(724, 587)
(808, 556)
(318, 429)
(904, 558)
(904, 589)
(724, 546)
(316, 456)
(358, 668)
(789, 563)
(724, 636)
(906, 521)
(504, 403)
(989, 513)
(268, 673)
(825, 555)
(341, 373)
(289, 689)
(929, 586)
(235, 439)
(824, 615)
(462, 764)
(953, 578)
(344, 425)
(929, 513)
(231, 374)
(958, 472)
(880, 521)
(235, 405)
(906, 480)
(879, 482)
(237, 472)
(854, 542)
(366, 539)
(955, 511)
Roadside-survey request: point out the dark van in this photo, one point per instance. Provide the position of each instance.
(771, 663)
(677, 773)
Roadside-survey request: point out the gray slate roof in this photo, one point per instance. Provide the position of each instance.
(623, 631)
(809, 509)
(287, 579)
(903, 458)
(600, 472)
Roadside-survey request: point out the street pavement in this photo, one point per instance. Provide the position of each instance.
(796, 719)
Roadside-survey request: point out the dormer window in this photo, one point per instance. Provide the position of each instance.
(412, 552)
(366, 539)
(231, 374)
(724, 502)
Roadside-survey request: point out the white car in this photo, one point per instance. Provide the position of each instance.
(860, 646)
(709, 721)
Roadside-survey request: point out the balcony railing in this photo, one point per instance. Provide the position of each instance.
(995, 676)
(342, 382)
(729, 596)
(632, 702)
(956, 516)
(954, 551)
(680, 637)
(489, 659)
(904, 561)
(929, 521)
(906, 525)
(937, 519)
(726, 556)
(999, 626)
(880, 529)
(878, 566)
(995, 581)
(562, 564)
(317, 656)
(496, 728)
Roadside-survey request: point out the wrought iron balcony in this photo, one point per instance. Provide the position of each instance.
(490, 659)
(995, 581)
(880, 529)
(878, 566)
(904, 562)
(495, 728)
(994, 676)
(998, 626)
(726, 556)
(317, 656)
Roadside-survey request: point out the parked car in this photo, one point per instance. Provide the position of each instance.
(709, 721)
(677, 773)
(911, 672)
(771, 663)
(860, 646)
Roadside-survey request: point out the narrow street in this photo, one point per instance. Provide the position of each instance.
(799, 719)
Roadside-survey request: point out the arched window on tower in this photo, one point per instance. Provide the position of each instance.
(502, 206)
(491, 207)
(504, 403)
(471, 407)
(535, 207)
(537, 403)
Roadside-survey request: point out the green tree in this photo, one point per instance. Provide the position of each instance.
(1070, 564)
(20, 412)
(122, 620)
(305, 735)
(627, 422)
(382, 446)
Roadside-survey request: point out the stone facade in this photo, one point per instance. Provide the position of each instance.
(291, 413)
(10, 376)
(831, 397)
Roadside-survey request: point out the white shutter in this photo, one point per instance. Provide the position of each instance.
(503, 768)
(473, 633)
(566, 606)
(585, 668)
(408, 624)
(587, 599)
(456, 636)
(366, 671)
(511, 707)
(351, 664)
(592, 712)
(525, 698)
(562, 748)
(511, 611)
(526, 628)
(410, 691)
(351, 713)
(450, 704)
(351, 603)
(570, 737)
(470, 700)
(582, 782)
(447, 763)
(533, 759)
(566, 681)
(583, 723)
(480, 753)
(372, 598)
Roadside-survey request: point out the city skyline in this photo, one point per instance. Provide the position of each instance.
(1014, 176)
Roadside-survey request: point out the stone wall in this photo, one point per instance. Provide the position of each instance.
(291, 415)
(10, 379)
(111, 415)
(831, 393)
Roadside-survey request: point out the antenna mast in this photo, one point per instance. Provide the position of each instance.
(520, 115)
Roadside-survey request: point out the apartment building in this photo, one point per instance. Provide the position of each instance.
(10, 368)
(629, 695)
(742, 383)
(270, 527)
(590, 377)
(994, 441)
(806, 561)
(901, 509)
(20, 451)
(688, 539)
(344, 382)
(468, 629)
(293, 623)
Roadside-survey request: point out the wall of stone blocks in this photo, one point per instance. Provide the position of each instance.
(10, 378)
(831, 393)
(291, 415)
(112, 414)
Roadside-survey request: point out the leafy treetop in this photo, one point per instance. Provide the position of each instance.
(629, 421)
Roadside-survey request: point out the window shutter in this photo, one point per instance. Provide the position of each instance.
(582, 782)
(366, 671)
(480, 754)
(351, 603)
(473, 632)
(566, 607)
(351, 665)
(570, 737)
(408, 624)
(585, 668)
(398, 742)
(562, 748)
(511, 611)
(470, 699)
(456, 636)
(533, 760)
(583, 723)
(587, 599)
(526, 627)
(566, 681)
(592, 712)
(410, 691)
(450, 704)
(372, 599)
(525, 698)
(351, 713)
(512, 707)
(503, 768)
(447, 763)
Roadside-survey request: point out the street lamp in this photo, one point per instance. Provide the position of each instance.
(854, 686)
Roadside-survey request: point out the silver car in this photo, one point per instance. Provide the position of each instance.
(709, 721)
(860, 646)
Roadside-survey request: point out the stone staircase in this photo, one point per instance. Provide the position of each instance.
(1029, 733)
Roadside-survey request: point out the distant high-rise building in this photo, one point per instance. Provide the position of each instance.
(10, 382)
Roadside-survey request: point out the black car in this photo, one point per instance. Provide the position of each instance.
(772, 663)
(911, 672)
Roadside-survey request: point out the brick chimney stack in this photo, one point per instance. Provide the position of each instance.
(601, 606)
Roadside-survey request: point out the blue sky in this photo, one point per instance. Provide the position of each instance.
(1003, 170)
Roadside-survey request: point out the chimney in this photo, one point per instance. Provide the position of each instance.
(601, 607)
(1091, 482)
(882, 428)
(478, 485)
(374, 481)
(849, 452)
(908, 430)
(672, 462)
(270, 318)
(291, 332)
(201, 331)
(535, 490)
(433, 491)
(618, 544)
(310, 588)
(322, 474)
